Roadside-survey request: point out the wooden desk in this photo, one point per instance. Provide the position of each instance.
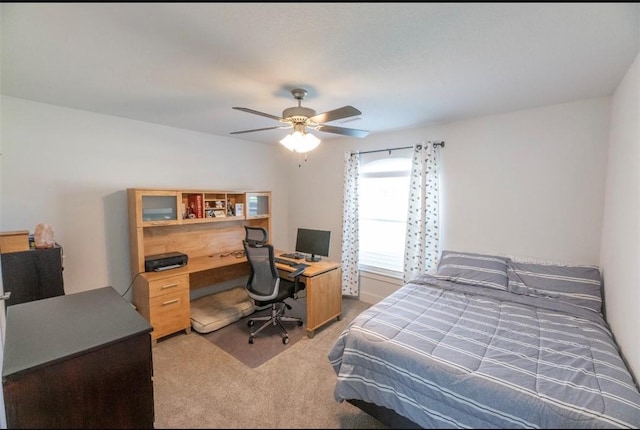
(157, 226)
(78, 361)
(323, 280)
(163, 297)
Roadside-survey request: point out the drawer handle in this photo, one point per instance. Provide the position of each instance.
(169, 302)
(168, 286)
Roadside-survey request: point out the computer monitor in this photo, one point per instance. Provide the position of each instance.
(314, 242)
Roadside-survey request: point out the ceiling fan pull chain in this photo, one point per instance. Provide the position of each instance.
(299, 159)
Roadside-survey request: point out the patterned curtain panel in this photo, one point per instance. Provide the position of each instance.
(422, 246)
(350, 243)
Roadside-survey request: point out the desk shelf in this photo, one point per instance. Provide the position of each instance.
(155, 207)
(174, 207)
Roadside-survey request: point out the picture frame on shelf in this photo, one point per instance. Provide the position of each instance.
(219, 213)
(239, 209)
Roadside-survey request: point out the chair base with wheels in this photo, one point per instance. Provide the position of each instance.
(276, 319)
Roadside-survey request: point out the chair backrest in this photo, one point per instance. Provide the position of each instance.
(256, 235)
(264, 282)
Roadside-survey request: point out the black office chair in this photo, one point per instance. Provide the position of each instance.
(265, 286)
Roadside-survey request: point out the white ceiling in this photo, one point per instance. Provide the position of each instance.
(402, 64)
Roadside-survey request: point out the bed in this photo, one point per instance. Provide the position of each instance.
(488, 342)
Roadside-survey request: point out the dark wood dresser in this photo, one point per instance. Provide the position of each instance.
(78, 361)
(32, 275)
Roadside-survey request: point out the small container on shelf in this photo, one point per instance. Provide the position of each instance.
(239, 209)
(14, 241)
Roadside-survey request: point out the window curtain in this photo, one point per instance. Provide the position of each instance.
(350, 230)
(422, 242)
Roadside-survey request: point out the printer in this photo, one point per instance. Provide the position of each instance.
(167, 261)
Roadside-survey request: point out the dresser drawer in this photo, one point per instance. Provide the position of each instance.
(169, 285)
(170, 313)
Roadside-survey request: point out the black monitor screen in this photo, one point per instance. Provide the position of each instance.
(314, 242)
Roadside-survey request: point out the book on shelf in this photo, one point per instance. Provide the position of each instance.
(195, 205)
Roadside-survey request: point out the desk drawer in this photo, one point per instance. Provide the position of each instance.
(170, 313)
(169, 285)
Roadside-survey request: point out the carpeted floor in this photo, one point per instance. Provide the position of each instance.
(234, 338)
(197, 384)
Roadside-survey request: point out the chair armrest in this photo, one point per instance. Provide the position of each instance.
(296, 280)
(296, 273)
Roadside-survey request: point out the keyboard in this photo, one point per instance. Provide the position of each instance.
(290, 263)
(295, 256)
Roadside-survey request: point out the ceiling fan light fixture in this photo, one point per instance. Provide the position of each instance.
(300, 142)
(300, 118)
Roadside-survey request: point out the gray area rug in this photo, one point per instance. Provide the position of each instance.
(234, 338)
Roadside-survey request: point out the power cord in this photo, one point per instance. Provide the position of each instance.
(237, 254)
(132, 281)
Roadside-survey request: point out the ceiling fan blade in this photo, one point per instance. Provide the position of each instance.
(332, 115)
(260, 129)
(341, 130)
(255, 112)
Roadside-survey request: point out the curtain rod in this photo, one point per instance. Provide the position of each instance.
(441, 144)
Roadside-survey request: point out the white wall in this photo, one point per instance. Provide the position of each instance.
(315, 193)
(71, 168)
(3, 417)
(621, 226)
(528, 183)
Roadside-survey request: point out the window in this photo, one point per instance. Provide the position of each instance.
(383, 198)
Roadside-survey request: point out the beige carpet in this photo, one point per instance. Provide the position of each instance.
(199, 385)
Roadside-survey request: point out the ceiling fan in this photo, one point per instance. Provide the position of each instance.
(300, 118)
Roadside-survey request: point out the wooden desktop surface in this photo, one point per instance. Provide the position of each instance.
(218, 261)
(315, 268)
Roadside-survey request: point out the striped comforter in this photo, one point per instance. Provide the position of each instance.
(459, 356)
